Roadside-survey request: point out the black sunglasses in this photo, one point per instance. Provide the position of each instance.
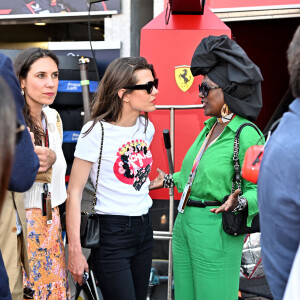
(148, 86)
(204, 88)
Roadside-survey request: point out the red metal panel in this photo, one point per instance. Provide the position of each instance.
(166, 47)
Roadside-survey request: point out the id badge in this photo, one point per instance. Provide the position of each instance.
(44, 205)
(49, 209)
(184, 198)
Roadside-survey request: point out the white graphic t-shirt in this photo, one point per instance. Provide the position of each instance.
(123, 185)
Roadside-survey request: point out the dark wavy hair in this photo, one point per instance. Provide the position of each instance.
(293, 55)
(107, 105)
(7, 136)
(22, 65)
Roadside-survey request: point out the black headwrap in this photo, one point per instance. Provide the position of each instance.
(227, 65)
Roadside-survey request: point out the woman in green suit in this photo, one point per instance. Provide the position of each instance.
(206, 259)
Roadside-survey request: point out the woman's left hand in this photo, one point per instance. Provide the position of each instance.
(230, 204)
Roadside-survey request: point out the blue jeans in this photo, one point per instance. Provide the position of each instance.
(122, 263)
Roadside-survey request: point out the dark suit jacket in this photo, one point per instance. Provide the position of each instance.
(24, 170)
(26, 162)
(279, 201)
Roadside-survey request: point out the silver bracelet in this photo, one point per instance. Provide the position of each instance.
(242, 204)
(168, 181)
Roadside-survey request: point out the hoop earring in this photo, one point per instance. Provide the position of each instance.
(224, 110)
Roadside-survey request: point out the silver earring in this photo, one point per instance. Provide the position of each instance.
(22, 92)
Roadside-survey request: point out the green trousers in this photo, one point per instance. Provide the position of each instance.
(206, 260)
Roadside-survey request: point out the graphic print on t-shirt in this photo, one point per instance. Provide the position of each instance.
(133, 163)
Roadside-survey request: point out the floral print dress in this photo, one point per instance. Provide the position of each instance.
(46, 254)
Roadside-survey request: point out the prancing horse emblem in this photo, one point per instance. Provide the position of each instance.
(184, 77)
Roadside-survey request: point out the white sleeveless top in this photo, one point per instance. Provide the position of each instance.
(57, 187)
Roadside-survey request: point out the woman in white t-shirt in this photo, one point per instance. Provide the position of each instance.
(122, 262)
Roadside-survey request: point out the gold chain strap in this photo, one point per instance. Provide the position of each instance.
(99, 162)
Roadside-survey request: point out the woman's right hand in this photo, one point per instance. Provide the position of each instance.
(79, 175)
(230, 204)
(77, 264)
(157, 183)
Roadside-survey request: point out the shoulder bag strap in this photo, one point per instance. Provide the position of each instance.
(99, 163)
(236, 147)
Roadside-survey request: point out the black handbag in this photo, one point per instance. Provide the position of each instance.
(235, 223)
(89, 230)
(90, 223)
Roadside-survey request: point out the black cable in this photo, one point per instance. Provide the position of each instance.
(203, 4)
(90, 39)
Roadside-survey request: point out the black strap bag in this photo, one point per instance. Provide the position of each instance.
(235, 223)
(90, 223)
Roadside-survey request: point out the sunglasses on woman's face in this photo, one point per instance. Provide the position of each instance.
(204, 88)
(148, 86)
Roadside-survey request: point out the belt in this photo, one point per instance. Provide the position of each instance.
(120, 217)
(202, 204)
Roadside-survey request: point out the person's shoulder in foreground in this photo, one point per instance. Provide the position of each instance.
(26, 162)
(278, 187)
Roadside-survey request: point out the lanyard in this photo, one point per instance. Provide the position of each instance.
(46, 195)
(188, 187)
(47, 138)
(45, 127)
(199, 155)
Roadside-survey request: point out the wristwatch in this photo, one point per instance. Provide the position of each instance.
(168, 181)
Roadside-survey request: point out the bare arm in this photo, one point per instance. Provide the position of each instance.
(157, 183)
(77, 262)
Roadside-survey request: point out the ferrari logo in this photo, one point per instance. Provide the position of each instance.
(184, 77)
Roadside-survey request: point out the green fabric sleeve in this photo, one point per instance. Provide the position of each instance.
(177, 182)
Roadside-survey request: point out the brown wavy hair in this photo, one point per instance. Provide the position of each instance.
(22, 65)
(7, 136)
(107, 105)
